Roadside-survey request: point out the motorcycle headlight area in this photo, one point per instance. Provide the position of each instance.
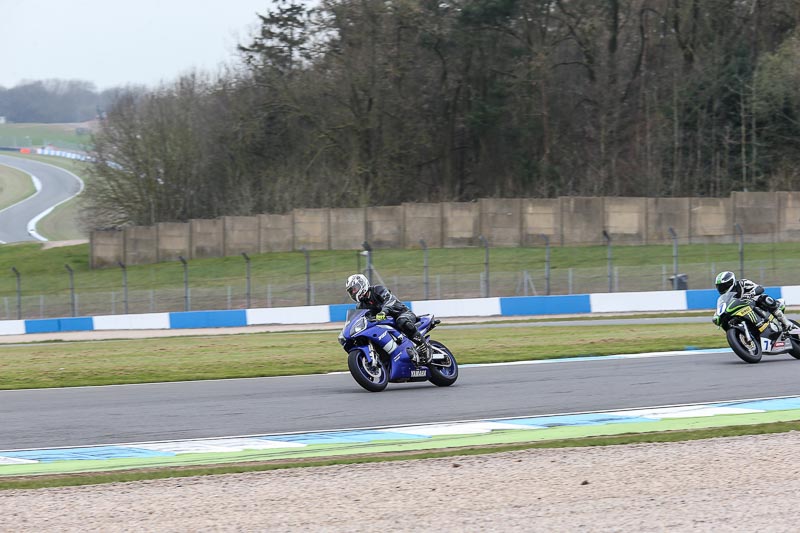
(359, 326)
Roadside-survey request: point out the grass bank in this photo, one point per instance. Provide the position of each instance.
(65, 136)
(15, 186)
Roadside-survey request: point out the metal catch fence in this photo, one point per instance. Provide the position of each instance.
(83, 297)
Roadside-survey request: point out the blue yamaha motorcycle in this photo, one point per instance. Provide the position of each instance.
(378, 353)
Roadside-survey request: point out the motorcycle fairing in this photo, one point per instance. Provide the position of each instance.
(390, 340)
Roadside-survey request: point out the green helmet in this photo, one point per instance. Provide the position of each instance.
(725, 280)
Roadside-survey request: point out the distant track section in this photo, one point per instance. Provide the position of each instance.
(54, 186)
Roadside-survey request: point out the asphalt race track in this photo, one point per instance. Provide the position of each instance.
(161, 411)
(57, 184)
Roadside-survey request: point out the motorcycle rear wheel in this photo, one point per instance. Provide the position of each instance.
(372, 378)
(795, 340)
(443, 375)
(749, 352)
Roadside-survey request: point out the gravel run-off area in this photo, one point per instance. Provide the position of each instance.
(749, 483)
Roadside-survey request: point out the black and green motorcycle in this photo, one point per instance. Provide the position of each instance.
(752, 331)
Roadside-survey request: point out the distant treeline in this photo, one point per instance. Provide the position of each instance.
(54, 101)
(376, 102)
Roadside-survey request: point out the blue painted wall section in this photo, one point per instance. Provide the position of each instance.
(50, 325)
(545, 305)
(339, 312)
(704, 299)
(207, 319)
(701, 299)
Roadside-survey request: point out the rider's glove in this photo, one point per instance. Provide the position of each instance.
(715, 320)
(380, 316)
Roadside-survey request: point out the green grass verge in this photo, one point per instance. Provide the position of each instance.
(69, 364)
(628, 438)
(15, 186)
(63, 223)
(65, 136)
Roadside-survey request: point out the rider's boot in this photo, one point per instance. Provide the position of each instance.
(787, 326)
(422, 348)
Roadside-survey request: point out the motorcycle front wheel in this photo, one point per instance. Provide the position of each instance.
(446, 373)
(373, 378)
(749, 352)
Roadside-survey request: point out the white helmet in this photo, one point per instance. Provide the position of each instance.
(357, 286)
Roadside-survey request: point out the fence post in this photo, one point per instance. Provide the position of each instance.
(71, 289)
(368, 252)
(485, 264)
(741, 249)
(607, 237)
(569, 280)
(546, 263)
(674, 257)
(186, 304)
(19, 292)
(248, 278)
(124, 286)
(308, 275)
(425, 280)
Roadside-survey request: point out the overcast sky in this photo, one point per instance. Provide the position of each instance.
(117, 42)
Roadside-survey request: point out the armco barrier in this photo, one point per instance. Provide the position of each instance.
(619, 302)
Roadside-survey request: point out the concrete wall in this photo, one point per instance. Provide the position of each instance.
(665, 213)
(758, 212)
(311, 229)
(141, 245)
(788, 217)
(207, 237)
(242, 234)
(504, 222)
(107, 248)
(501, 221)
(348, 229)
(385, 227)
(277, 233)
(541, 217)
(423, 222)
(172, 240)
(460, 224)
(626, 220)
(582, 220)
(711, 220)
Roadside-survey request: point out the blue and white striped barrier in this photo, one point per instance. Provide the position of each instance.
(63, 153)
(620, 302)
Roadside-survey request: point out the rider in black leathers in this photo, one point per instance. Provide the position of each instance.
(381, 301)
(745, 288)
